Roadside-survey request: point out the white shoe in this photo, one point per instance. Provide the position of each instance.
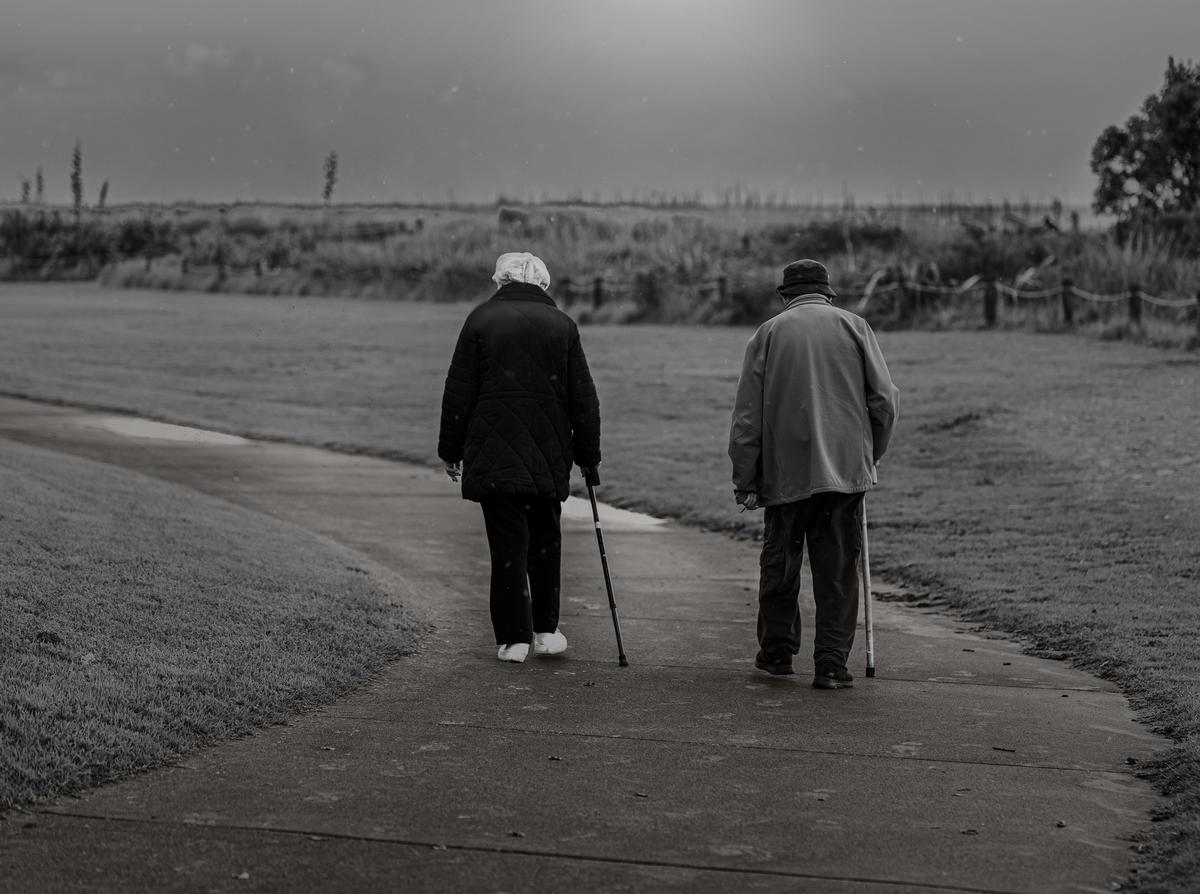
(516, 652)
(546, 644)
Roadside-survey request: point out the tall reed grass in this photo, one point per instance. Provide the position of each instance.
(660, 264)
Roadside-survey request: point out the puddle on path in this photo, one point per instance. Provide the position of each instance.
(161, 431)
(577, 509)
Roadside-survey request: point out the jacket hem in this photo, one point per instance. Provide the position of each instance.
(804, 495)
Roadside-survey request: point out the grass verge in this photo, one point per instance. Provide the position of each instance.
(142, 619)
(1042, 484)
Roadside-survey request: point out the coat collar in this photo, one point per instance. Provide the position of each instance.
(521, 291)
(810, 298)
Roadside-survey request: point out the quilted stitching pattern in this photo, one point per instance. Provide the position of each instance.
(519, 405)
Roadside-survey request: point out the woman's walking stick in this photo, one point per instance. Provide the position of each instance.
(866, 588)
(592, 477)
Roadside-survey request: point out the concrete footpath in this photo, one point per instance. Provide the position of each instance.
(963, 766)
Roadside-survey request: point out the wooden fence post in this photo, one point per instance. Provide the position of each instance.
(222, 268)
(220, 259)
(990, 294)
(1068, 307)
(1135, 305)
(903, 298)
(564, 289)
(647, 295)
(597, 291)
(723, 289)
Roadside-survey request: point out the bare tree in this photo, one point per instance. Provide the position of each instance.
(24, 190)
(103, 195)
(77, 178)
(41, 187)
(331, 169)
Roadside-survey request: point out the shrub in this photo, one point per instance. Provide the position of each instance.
(278, 254)
(43, 245)
(826, 238)
(649, 230)
(1179, 231)
(192, 226)
(988, 251)
(142, 236)
(248, 225)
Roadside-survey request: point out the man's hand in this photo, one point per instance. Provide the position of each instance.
(591, 475)
(453, 471)
(747, 499)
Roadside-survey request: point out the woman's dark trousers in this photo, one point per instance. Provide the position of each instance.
(526, 545)
(831, 524)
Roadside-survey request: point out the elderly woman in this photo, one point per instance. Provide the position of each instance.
(518, 409)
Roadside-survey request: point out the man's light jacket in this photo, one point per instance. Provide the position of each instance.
(815, 405)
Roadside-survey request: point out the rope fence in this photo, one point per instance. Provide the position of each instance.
(1066, 293)
(1028, 296)
(645, 289)
(221, 269)
(1170, 302)
(1092, 296)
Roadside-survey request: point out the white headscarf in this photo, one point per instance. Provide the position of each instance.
(521, 266)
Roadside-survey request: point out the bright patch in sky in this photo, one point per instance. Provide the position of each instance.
(904, 99)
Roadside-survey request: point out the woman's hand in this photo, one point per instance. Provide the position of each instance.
(453, 471)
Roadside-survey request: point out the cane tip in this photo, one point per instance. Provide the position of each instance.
(623, 661)
(870, 671)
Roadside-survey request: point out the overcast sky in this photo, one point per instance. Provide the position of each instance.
(216, 100)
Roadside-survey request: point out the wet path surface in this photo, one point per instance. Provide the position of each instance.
(963, 766)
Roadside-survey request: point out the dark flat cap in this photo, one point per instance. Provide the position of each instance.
(805, 277)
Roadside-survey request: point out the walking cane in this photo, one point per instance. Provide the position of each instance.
(592, 477)
(866, 587)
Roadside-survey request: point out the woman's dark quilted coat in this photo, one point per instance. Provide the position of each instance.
(520, 406)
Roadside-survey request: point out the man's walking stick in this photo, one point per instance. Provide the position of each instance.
(592, 477)
(866, 588)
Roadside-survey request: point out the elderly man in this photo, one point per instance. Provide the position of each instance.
(519, 407)
(814, 412)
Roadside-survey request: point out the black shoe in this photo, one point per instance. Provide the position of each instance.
(779, 667)
(825, 678)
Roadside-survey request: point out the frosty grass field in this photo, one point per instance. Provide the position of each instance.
(1043, 485)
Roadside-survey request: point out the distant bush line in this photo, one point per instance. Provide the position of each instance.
(616, 263)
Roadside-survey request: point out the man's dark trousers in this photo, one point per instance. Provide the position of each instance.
(831, 524)
(526, 546)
